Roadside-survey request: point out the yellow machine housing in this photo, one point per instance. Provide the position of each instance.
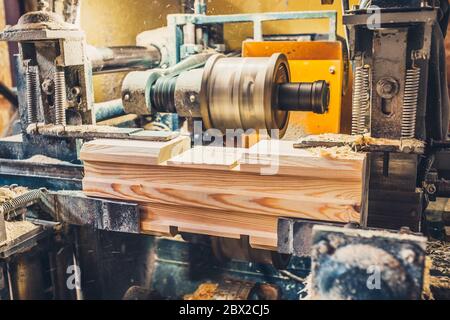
(310, 61)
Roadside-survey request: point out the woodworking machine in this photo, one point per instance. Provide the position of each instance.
(185, 72)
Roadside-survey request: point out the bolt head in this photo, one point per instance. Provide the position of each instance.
(431, 189)
(387, 88)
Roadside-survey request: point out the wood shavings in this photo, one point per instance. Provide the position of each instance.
(411, 144)
(439, 252)
(332, 153)
(361, 141)
(331, 137)
(46, 160)
(7, 194)
(204, 292)
(427, 293)
(15, 229)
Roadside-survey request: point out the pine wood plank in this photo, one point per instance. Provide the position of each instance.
(289, 186)
(323, 209)
(281, 158)
(262, 230)
(208, 158)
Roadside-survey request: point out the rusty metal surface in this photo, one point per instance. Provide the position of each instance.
(88, 132)
(397, 55)
(295, 236)
(74, 208)
(394, 199)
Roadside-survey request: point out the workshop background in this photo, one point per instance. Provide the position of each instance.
(389, 193)
(124, 20)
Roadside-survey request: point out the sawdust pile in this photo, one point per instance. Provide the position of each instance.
(7, 194)
(45, 159)
(204, 292)
(439, 252)
(345, 152)
(294, 131)
(16, 229)
(336, 138)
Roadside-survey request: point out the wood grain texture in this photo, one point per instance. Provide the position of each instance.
(281, 158)
(204, 191)
(228, 200)
(295, 187)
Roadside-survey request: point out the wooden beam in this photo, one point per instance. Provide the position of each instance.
(134, 151)
(161, 219)
(214, 191)
(281, 158)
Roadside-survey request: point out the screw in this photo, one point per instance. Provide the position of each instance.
(332, 69)
(431, 189)
(192, 98)
(126, 97)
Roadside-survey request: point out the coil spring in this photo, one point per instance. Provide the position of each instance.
(21, 201)
(361, 100)
(60, 98)
(410, 103)
(42, 5)
(32, 82)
